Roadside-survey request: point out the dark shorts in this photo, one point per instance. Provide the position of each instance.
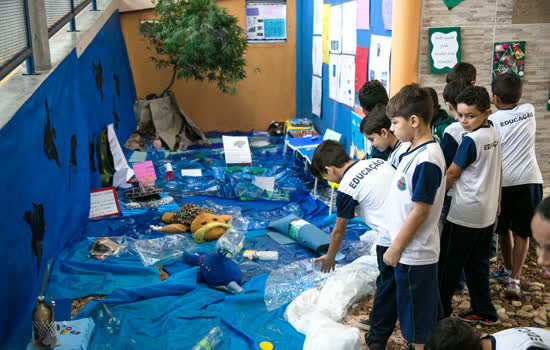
(418, 304)
(517, 207)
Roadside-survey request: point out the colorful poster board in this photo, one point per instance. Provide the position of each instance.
(326, 32)
(508, 57)
(361, 65)
(357, 148)
(103, 203)
(265, 22)
(444, 49)
(363, 14)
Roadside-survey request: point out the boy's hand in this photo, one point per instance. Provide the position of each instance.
(327, 264)
(498, 208)
(391, 256)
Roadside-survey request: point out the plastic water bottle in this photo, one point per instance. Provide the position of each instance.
(261, 255)
(210, 341)
(230, 243)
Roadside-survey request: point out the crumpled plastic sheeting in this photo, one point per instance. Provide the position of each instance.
(317, 311)
(163, 250)
(177, 312)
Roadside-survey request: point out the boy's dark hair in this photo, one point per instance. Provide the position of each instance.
(475, 96)
(328, 153)
(411, 100)
(371, 94)
(434, 97)
(508, 87)
(544, 208)
(376, 121)
(462, 70)
(452, 89)
(452, 334)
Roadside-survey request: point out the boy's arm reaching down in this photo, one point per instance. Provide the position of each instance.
(453, 173)
(336, 238)
(416, 218)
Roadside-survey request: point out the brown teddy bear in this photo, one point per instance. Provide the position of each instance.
(203, 223)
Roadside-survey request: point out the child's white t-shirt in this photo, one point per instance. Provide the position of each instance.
(475, 199)
(520, 339)
(395, 155)
(452, 137)
(516, 128)
(420, 177)
(363, 190)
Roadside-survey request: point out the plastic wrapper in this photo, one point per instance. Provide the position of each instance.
(105, 319)
(122, 243)
(163, 250)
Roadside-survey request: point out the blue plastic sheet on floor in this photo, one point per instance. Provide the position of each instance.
(177, 313)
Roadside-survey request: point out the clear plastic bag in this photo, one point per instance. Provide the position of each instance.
(105, 319)
(163, 250)
(123, 242)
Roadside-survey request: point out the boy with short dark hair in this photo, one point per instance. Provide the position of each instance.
(467, 234)
(363, 188)
(464, 71)
(377, 130)
(440, 120)
(521, 177)
(451, 334)
(371, 94)
(415, 199)
(453, 134)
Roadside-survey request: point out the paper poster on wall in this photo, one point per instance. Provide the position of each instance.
(508, 57)
(317, 55)
(334, 76)
(361, 64)
(336, 29)
(326, 32)
(387, 12)
(317, 17)
(316, 95)
(357, 149)
(349, 27)
(379, 60)
(265, 22)
(346, 90)
(363, 14)
(444, 48)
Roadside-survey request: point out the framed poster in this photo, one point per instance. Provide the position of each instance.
(508, 57)
(103, 203)
(265, 22)
(444, 48)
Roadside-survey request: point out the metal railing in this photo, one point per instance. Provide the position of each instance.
(16, 34)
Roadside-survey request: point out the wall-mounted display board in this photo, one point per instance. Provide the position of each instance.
(266, 22)
(509, 56)
(531, 11)
(444, 48)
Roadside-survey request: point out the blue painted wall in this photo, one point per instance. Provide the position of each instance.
(335, 115)
(76, 106)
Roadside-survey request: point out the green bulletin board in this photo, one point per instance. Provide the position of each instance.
(452, 3)
(444, 48)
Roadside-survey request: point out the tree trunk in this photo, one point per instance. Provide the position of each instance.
(171, 82)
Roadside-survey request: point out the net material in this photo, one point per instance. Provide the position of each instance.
(56, 10)
(13, 39)
(45, 332)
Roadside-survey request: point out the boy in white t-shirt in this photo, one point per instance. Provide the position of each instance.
(363, 190)
(467, 234)
(377, 130)
(521, 176)
(414, 205)
(451, 334)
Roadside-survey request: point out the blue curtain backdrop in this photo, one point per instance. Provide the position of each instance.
(46, 193)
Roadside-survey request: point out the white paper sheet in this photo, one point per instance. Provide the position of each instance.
(119, 160)
(346, 90)
(191, 172)
(335, 44)
(318, 17)
(236, 150)
(265, 182)
(379, 60)
(317, 56)
(349, 27)
(103, 203)
(334, 76)
(316, 95)
(332, 135)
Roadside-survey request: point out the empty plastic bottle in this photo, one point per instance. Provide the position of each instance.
(210, 341)
(230, 243)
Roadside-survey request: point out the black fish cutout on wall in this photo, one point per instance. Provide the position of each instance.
(72, 161)
(116, 84)
(116, 118)
(98, 76)
(49, 136)
(91, 153)
(35, 220)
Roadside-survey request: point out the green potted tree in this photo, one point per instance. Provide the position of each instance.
(196, 39)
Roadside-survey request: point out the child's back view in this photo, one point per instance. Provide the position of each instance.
(521, 176)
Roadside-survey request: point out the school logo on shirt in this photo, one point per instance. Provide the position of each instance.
(402, 184)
